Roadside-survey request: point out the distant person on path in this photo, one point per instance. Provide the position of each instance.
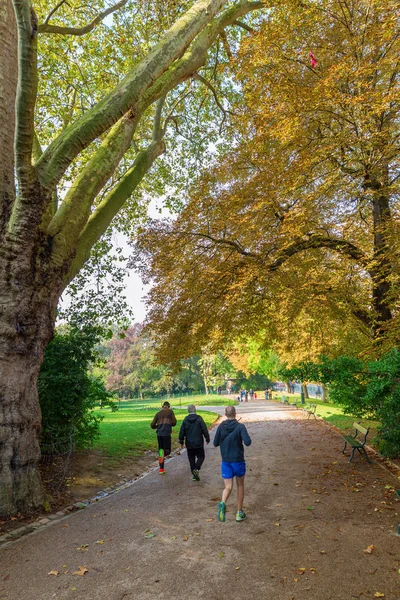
(164, 421)
(251, 394)
(194, 431)
(230, 437)
(246, 395)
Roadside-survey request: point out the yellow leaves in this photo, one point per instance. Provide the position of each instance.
(369, 549)
(83, 548)
(379, 595)
(56, 573)
(81, 571)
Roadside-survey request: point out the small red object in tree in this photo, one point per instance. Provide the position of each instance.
(313, 60)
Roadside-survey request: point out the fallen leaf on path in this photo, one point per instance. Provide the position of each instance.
(322, 551)
(237, 568)
(173, 537)
(369, 549)
(277, 524)
(301, 571)
(310, 508)
(53, 573)
(83, 547)
(101, 542)
(379, 595)
(185, 539)
(81, 571)
(278, 504)
(73, 589)
(149, 535)
(221, 554)
(209, 520)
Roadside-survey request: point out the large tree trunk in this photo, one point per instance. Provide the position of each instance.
(381, 268)
(305, 391)
(28, 304)
(8, 86)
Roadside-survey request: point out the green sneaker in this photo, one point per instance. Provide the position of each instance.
(196, 475)
(221, 511)
(240, 516)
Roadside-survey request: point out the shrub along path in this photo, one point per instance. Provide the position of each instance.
(318, 528)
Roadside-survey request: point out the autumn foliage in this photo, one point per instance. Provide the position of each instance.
(295, 229)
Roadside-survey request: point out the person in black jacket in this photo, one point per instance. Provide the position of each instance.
(194, 431)
(230, 436)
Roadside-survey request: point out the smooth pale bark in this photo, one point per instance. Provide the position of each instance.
(104, 114)
(8, 86)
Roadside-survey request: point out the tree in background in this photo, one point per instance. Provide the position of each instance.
(132, 368)
(295, 231)
(82, 120)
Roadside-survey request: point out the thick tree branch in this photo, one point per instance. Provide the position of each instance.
(317, 241)
(101, 218)
(78, 31)
(203, 80)
(195, 56)
(127, 93)
(26, 91)
(71, 217)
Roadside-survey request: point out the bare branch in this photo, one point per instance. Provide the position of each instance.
(221, 242)
(78, 31)
(244, 26)
(203, 80)
(51, 13)
(158, 131)
(226, 46)
(101, 218)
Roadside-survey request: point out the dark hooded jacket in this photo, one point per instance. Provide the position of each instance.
(230, 436)
(194, 430)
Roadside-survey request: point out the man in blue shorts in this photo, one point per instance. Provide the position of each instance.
(230, 436)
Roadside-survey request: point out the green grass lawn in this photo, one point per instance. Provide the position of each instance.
(199, 400)
(126, 432)
(333, 414)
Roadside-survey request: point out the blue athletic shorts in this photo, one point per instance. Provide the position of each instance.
(233, 469)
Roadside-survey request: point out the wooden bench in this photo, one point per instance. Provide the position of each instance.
(356, 444)
(310, 409)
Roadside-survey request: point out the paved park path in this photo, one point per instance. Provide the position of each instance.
(311, 516)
